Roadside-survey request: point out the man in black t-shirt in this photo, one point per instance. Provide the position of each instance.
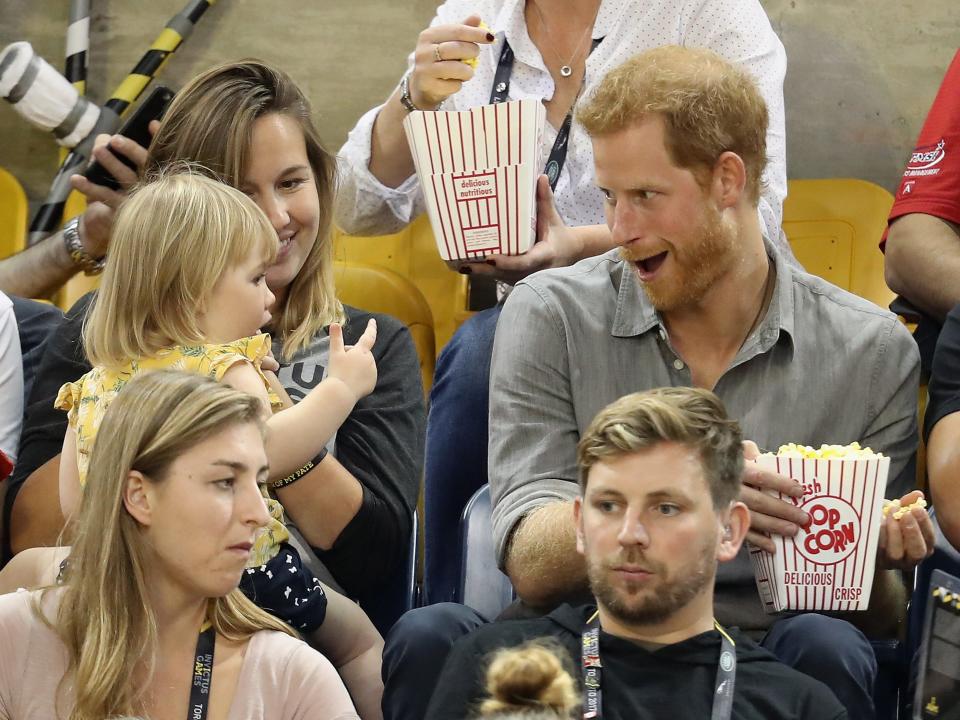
(942, 428)
(658, 509)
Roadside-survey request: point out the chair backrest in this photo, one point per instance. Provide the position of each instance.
(13, 215)
(378, 289)
(403, 594)
(834, 227)
(482, 586)
(412, 253)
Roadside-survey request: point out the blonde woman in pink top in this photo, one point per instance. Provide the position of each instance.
(149, 622)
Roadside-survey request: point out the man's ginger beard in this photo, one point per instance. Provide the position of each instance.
(634, 604)
(699, 263)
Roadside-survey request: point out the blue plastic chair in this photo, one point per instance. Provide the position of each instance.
(482, 586)
(396, 599)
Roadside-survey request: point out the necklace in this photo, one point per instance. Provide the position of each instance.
(767, 292)
(565, 67)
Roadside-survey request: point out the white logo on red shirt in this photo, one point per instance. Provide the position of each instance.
(924, 160)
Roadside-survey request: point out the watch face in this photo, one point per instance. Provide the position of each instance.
(81, 258)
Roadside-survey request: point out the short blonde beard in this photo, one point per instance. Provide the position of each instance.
(700, 266)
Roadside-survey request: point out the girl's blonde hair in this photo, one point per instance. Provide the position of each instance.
(530, 683)
(210, 121)
(104, 616)
(173, 239)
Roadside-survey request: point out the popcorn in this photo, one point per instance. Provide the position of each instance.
(829, 564)
(898, 511)
(478, 169)
(472, 62)
(825, 452)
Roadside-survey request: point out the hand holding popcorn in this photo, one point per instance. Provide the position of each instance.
(769, 515)
(906, 532)
(444, 59)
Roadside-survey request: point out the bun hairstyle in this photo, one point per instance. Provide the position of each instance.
(530, 682)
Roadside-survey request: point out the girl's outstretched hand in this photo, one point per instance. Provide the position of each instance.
(355, 366)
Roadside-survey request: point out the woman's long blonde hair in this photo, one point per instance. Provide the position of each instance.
(210, 121)
(104, 616)
(173, 239)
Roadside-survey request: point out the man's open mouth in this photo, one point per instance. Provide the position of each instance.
(650, 265)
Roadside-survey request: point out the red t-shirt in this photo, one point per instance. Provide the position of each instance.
(931, 182)
(6, 467)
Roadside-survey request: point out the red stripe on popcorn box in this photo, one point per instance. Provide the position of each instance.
(829, 565)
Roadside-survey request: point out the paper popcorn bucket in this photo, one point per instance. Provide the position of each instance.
(478, 171)
(829, 564)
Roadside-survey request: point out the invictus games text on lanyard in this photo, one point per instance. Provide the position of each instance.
(590, 662)
(501, 92)
(202, 674)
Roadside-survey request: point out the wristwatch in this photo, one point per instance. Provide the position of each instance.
(84, 260)
(405, 98)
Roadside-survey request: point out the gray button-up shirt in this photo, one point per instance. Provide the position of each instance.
(823, 366)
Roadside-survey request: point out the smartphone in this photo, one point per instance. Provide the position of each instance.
(137, 128)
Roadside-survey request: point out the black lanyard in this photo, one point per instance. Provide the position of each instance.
(202, 674)
(500, 93)
(590, 654)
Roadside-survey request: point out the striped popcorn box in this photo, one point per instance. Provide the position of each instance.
(829, 564)
(478, 170)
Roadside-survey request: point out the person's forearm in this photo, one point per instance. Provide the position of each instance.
(542, 559)
(390, 159)
(943, 471)
(352, 644)
(39, 271)
(36, 520)
(596, 240)
(298, 433)
(362, 678)
(323, 502)
(923, 262)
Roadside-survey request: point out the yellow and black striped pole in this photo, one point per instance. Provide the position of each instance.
(78, 45)
(178, 29)
(77, 51)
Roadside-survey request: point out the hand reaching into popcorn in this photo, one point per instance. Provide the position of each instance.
(769, 515)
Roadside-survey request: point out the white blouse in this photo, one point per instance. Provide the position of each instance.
(736, 29)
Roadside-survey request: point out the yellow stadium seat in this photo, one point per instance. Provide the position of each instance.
(13, 215)
(413, 254)
(378, 289)
(834, 227)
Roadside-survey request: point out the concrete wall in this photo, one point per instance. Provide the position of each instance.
(862, 73)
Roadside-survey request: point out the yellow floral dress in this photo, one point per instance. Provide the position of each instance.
(87, 399)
